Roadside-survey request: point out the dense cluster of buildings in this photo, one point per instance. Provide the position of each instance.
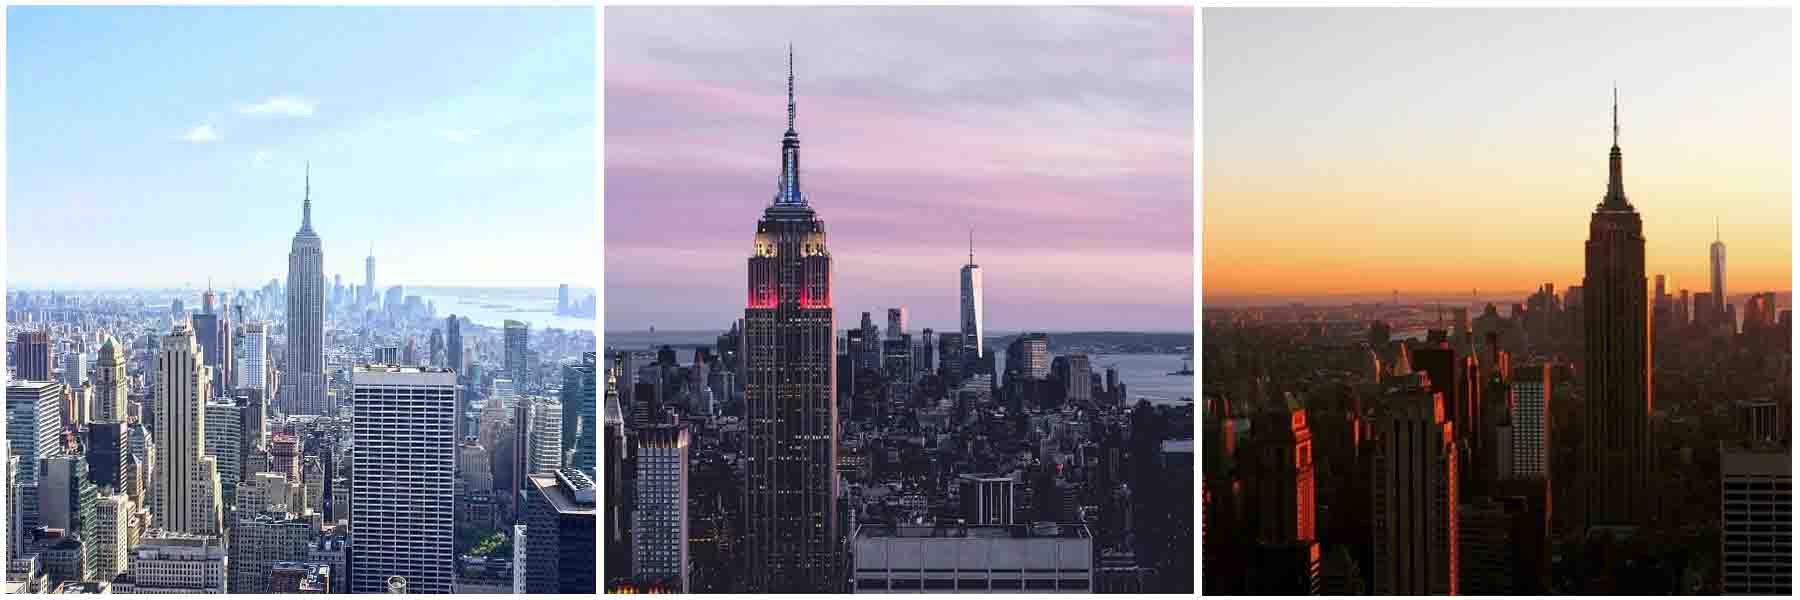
(788, 456)
(298, 438)
(1615, 439)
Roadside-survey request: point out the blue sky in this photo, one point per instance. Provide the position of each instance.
(165, 145)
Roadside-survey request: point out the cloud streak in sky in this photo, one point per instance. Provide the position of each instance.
(1063, 136)
(283, 106)
(203, 134)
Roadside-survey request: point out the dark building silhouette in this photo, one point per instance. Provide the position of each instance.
(1616, 460)
(33, 356)
(792, 534)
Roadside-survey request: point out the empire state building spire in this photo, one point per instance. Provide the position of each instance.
(306, 204)
(788, 192)
(1615, 183)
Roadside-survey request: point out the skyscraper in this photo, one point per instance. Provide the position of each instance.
(1415, 496)
(559, 553)
(1530, 413)
(453, 360)
(1718, 272)
(110, 391)
(212, 330)
(580, 430)
(112, 535)
(518, 336)
(253, 373)
(403, 478)
(32, 356)
(792, 538)
(896, 322)
(1757, 502)
(1616, 462)
(369, 276)
(186, 489)
(545, 454)
(971, 310)
(303, 378)
(659, 536)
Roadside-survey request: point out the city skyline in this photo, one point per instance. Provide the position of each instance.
(1460, 180)
(1049, 161)
(217, 141)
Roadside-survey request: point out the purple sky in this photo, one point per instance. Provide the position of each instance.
(1063, 136)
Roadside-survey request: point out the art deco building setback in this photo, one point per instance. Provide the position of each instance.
(792, 537)
(303, 375)
(1616, 460)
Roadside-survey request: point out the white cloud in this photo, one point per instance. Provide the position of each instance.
(204, 134)
(287, 106)
(460, 136)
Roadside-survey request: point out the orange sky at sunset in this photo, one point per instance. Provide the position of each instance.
(1436, 151)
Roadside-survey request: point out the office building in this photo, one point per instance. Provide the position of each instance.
(580, 430)
(112, 535)
(659, 527)
(987, 499)
(224, 442)
(107, 447)
(185, 495)
(111, 391)
(1414, 496)
(167, 562)
(792, 539)
(1529, 406)
(972, 332)
(559, 518)
(517, 340)
(402, 503)
(1043, 558)
(1757, 500)
(1029, 356)
(31, 356)
(297, 577)
(544, 454)
(253, 368)
(1076, 376)
(303, 376)
(1616, 458)
(34, 431)
(259, 541)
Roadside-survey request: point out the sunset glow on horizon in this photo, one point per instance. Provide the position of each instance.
(1439, 151)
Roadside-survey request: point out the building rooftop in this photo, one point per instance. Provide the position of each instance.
(561, 497)
(1038, 530)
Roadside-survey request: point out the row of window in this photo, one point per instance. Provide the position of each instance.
(971, 584)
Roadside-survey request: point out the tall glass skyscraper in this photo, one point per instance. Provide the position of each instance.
(1718, 274)
(793, 541)
(303, 378)
(971, 310)
(518, 336)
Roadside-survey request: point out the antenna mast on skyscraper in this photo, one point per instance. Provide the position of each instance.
(1615, 114)
(971, 245)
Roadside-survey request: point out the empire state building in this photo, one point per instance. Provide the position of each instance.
(303, 375)
(793, 538)
(1616, 463)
